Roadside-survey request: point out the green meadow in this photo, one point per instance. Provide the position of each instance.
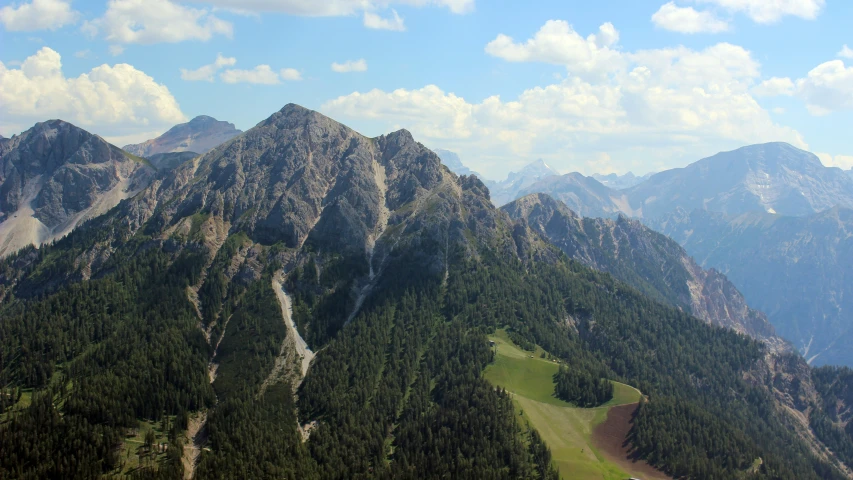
(566, 429)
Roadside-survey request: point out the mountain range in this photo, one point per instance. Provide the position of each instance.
(199, 135)
(650, 262)
(303, 301)
(620, 182)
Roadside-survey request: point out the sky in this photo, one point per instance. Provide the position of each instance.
(596, 87)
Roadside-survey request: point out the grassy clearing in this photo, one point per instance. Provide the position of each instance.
(134, 454)
(566, 429)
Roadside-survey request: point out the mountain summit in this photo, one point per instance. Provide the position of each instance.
(199, 135)
(772, 177)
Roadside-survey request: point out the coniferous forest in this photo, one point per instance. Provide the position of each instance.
(582, 388)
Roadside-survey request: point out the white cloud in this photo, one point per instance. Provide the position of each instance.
(844, 162)
(846, 52)
(290, 74)
(774, 87)
(83, 53)
(38, 15)
(350, 66)
(261, 75)
(687, 20)
(559, 44)
(395, 23)
(109, 100)
(206, 72)
(770, 11)
(778, 110)
(116, 50)
(333, 8)
(827, 88)
(649, 110)
(156, 21)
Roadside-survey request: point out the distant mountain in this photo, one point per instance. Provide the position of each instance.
(584, 195)
(452, 161)
(772, 177)
(168, 161)
(619, 182)
(799, 270)
(200, 135)
(653, 263)
(850, 172)
(55, 176)
(508, 190)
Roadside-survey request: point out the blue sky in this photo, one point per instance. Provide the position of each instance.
(605, 86)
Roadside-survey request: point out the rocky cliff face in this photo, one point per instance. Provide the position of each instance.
(649, 261)
(55, 176)
(201, 134)
(773, 177)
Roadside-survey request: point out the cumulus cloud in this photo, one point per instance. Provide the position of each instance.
(844, 162)
(290, 74)
(687, 20)
(262, 75)
(156, 21)
(109, 100)
(334, 8)
(770, 11)
(651, 109)
(827, 88)
(559, 44)
(374, 21)
(206, 73)
(845, 52)
(37, 15)
(350, 66)
(774, 87)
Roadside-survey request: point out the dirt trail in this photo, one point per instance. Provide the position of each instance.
(611, 439)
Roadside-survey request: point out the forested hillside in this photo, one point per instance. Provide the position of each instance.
(164, 311)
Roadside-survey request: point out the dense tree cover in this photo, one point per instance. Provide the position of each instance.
(100, 354)
(592, 321)
(582, 388)
(834, 386)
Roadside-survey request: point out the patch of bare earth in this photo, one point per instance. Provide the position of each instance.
(611, 439)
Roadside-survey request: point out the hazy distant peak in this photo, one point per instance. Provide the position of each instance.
(201, 134)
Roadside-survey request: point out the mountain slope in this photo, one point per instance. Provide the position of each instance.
(164, 310)
(772, 177)
(200, 134)
(649, 261)
(797, 269)
(54, 176)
